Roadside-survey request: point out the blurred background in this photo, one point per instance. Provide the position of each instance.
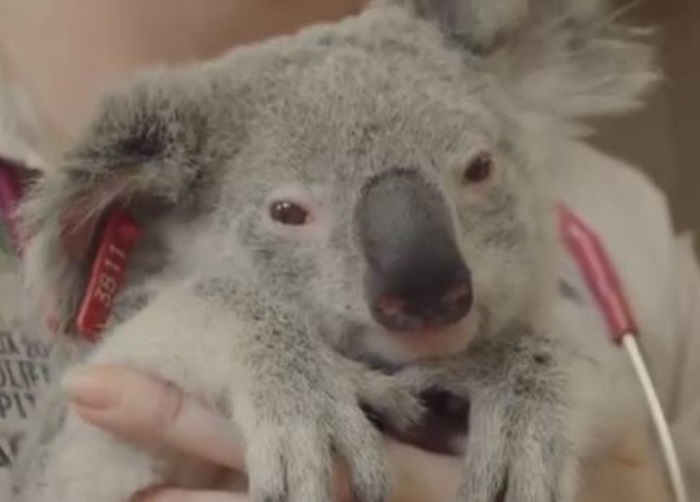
(664, 138)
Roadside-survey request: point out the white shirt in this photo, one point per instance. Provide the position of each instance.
(660, 276)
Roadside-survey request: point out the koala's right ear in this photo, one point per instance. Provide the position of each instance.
(565, 60)
(142, 152)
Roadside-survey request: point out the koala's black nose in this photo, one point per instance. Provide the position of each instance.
(422, 298)
(416, 277)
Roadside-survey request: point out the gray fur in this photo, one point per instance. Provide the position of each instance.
(262, 323)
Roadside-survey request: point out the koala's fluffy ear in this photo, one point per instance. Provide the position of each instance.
(142, 152)
(567, 59)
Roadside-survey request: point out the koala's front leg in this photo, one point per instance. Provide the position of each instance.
(522, 434)
(298, 403)
(521, 444)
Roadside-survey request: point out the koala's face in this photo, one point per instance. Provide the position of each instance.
(388, 190)
(374, 174)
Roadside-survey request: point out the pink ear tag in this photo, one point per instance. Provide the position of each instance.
(599, 273)
(119, 236)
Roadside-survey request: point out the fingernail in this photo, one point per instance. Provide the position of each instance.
(93, 389)
(146, 494)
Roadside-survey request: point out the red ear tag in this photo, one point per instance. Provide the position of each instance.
(119, 236)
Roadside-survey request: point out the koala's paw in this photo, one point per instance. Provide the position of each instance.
(393, 397)
(512, 457)
(297, 426)
(521, 436)
(521, 445)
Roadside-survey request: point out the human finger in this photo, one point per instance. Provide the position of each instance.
(180, 495)
(149, 411)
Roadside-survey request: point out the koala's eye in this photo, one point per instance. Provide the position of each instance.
(288, 213)
(479, 169)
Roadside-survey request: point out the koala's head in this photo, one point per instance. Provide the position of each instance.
(387, 174)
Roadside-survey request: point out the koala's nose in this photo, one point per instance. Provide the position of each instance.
(427, 296)
(416, 277)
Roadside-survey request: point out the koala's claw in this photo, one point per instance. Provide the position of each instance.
(289, 464)
(361, 448)
(511, 460)
(520, 444)
(293, 463)
(395, 398)
(294, 437)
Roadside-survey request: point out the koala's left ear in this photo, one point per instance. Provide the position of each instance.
(143, 152)
(568, 59)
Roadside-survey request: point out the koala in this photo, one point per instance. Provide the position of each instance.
(338, 221)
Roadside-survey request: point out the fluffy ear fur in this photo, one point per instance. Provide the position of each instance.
(141, 152)
(567, 59)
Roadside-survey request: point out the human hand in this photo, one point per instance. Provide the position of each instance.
(145, 410)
